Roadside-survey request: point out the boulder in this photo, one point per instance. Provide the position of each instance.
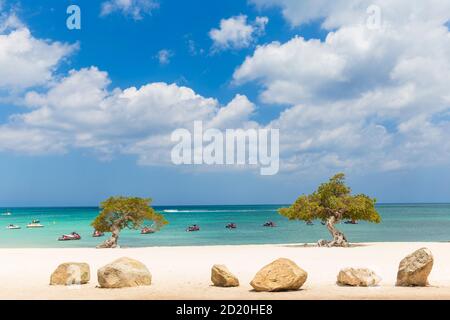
(357, 277)
(70, 273)
(415, 268)
(280, 275)
(222, 277)
(124, 272)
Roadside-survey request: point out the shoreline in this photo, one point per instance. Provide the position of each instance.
(183, 273)
(308, 245)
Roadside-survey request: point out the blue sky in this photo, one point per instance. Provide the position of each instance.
(345, 97)
(127, 48)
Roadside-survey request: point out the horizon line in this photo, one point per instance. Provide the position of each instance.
(206, 205)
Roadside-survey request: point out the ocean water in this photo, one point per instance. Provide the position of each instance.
(401, 222)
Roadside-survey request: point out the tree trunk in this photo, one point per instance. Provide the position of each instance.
(112, 242)
(339, 239)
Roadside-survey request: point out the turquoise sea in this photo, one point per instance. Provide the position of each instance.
(401, 222)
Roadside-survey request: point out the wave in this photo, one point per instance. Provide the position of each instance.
(205, 211)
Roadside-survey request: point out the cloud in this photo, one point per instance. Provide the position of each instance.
(164, 56)
(364, 97)
(136, 9)
(80, 111)
(236, 113)
(236, 33)
(24, 60)
(23, 140)
(193, 48)
(291, 71)
(339, 13)
(9, 21)
(361, 99)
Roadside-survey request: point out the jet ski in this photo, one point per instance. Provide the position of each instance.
(193, 228)
(35, 224)
(269, 224)
(147, 230)
(231, 226)
(97, 234)
(12, 227)
(70, 237)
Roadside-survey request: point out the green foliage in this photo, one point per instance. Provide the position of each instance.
(126, 212)
(333, 198)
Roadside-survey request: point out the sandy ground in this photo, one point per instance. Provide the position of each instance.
(184, 272)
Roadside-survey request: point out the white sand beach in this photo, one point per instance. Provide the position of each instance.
(184, 272)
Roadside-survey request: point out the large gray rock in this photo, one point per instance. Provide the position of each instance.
(280, 275)
(124, 272)
(70, 273)
(357, 277)
(415, 269)
(222, 277)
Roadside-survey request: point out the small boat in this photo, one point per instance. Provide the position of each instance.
(309, 223)
(269, 224)
(193, 228)
(7, 213)
(12, 227)
(231, 226)
(147, 230)
(35, 224)
(351, 222)
(70, 237)
(97, 234)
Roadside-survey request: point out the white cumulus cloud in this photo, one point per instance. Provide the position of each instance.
(136, 9)
(24, 60)
(237, 33)
(339, 13)
(363, 97)
(80, 111)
